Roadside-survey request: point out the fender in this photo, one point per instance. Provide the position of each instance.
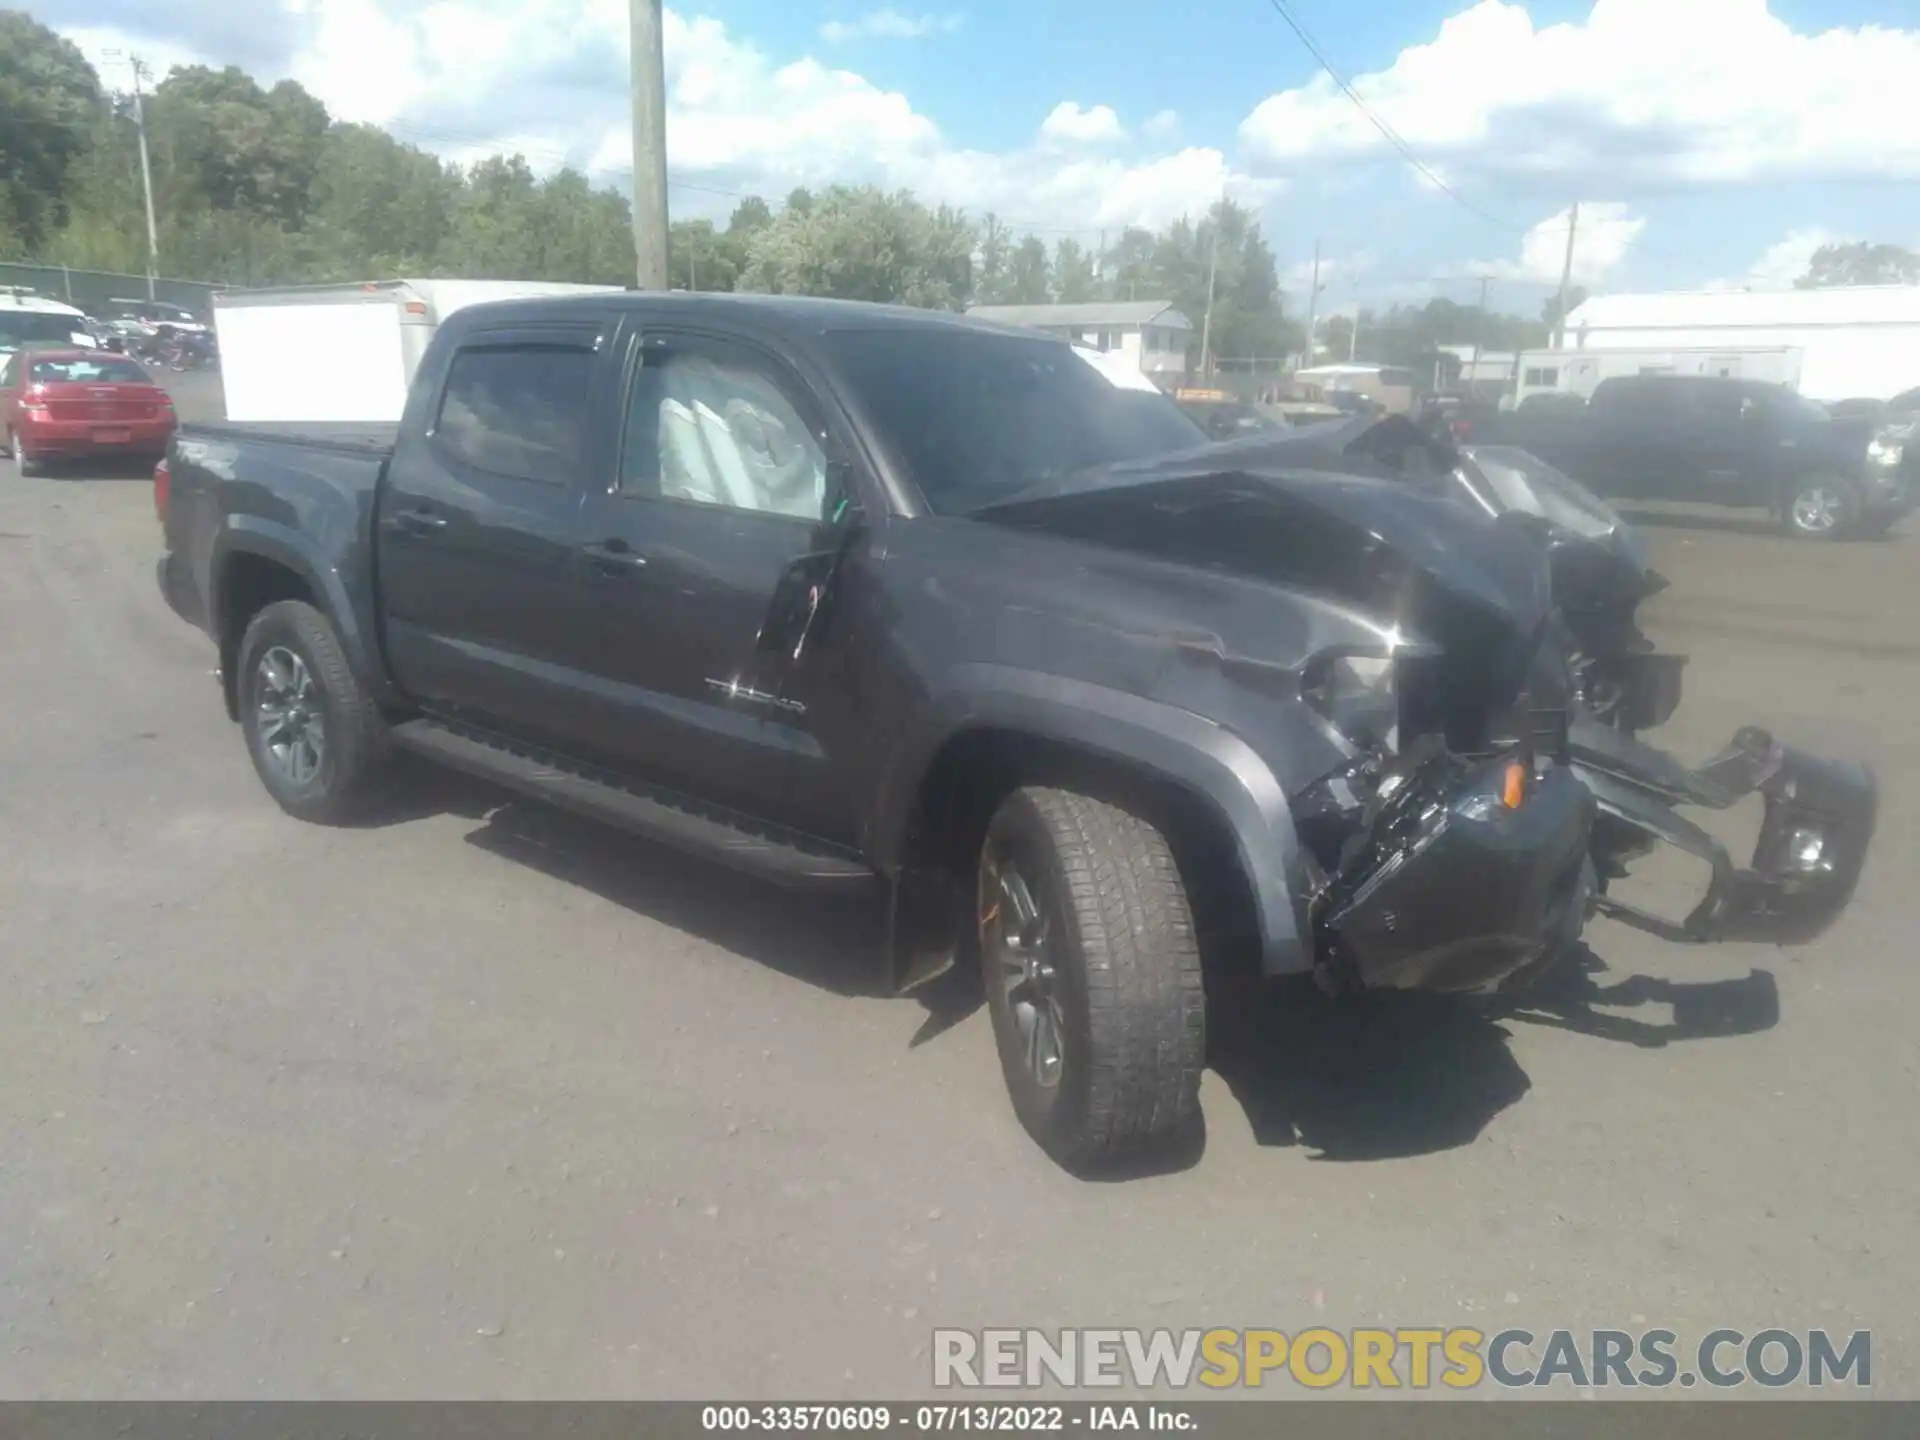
(284, 545)
(1160, 739)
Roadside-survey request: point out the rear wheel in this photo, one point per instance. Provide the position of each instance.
(317, 740)
(1093, 977)
(1820, 507)
(23, 460)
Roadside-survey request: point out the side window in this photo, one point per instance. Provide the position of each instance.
(720, 432)
(517, 410)
(7, 368)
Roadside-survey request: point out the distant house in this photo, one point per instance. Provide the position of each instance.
(1150, 333)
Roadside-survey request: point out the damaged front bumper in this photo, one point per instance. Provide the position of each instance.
(1814, 836)
(1453, 886)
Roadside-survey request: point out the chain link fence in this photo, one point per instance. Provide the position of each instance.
(91, 290)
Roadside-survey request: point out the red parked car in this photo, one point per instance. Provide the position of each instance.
(80, 404)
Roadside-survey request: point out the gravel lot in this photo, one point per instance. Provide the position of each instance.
(487, 1102)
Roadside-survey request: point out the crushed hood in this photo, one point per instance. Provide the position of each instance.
(1406, 557)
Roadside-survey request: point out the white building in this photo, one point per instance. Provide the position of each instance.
(1854, 341)
(1150, 333)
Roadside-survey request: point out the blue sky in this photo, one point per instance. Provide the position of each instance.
(1707, 141)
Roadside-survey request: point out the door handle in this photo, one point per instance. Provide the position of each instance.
(614, 557)
(419, 522)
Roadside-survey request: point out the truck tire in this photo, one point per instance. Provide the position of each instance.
(1093, 977)
(1820, 507)
(317, 740)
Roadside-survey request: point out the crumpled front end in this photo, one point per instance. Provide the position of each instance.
(1457, 856)
(1814, 836)
(1464, 873)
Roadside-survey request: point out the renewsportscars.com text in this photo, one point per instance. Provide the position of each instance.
(1458, 1358)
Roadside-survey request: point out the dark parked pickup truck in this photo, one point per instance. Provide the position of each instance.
(855, 596)
(1723, 441)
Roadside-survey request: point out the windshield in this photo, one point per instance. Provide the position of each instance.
(88, 372)
(39, 327)
(979, 419)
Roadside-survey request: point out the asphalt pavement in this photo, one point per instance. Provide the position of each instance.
(484, 1101)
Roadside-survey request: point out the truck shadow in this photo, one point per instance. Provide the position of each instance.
(1384, 1077)
(832, 943)
(1393, 1076)
(1575, 998)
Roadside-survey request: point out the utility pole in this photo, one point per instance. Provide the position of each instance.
(1206, 324)
(1566, 275)
(648, 75)
(1479, 338)
(139, 68)
(1313, 302)
(1353, 334)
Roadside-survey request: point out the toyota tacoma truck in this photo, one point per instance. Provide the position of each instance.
(1722, 441)
(861, 597)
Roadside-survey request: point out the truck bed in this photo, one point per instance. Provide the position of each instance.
(323, 435)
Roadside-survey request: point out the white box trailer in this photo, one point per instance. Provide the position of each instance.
(322, 354)
(1856, 342)
(1578, 372)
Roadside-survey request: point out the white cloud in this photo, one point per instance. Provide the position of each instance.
(1606, 232)
(1641, 91)
(1781, 263)
(1161, 122)
(888, 24)
(549, 78)
(1070, 124)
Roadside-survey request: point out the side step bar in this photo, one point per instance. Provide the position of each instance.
(658, 816)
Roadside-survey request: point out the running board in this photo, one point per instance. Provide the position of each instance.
(668, 819)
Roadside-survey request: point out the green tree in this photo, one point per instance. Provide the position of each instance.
(1129, 266)
(1860, 263)
(1074, 280)
(50, 107)
(863, 243)
(701, 258)
(1029, 273)
(990, 262)
(749, 215)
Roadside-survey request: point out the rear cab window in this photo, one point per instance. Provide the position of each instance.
(518, 407)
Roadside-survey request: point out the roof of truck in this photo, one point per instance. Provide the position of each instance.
(802, 313)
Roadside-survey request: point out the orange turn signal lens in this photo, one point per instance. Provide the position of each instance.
(1514, 790)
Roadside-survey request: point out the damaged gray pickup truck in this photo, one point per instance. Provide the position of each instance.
(853, 596)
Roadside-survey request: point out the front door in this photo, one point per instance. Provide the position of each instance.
(477, 564)
(726, 467)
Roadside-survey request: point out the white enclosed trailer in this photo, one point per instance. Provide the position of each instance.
(318, 354)
(1578, 372)
(1855, 341)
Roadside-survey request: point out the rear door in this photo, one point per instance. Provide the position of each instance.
(476, 524)
(729, 464)
(1721, 435)
(1632, 439)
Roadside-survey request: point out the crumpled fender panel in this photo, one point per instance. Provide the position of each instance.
(1818, 826)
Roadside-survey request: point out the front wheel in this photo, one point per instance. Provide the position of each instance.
(1820, 507)
(1093, 977)
(317, 739)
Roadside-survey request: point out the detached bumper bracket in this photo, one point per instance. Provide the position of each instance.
(1819, 822)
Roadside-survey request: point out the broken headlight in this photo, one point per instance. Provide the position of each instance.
(1356, 694)
(1889, 444)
